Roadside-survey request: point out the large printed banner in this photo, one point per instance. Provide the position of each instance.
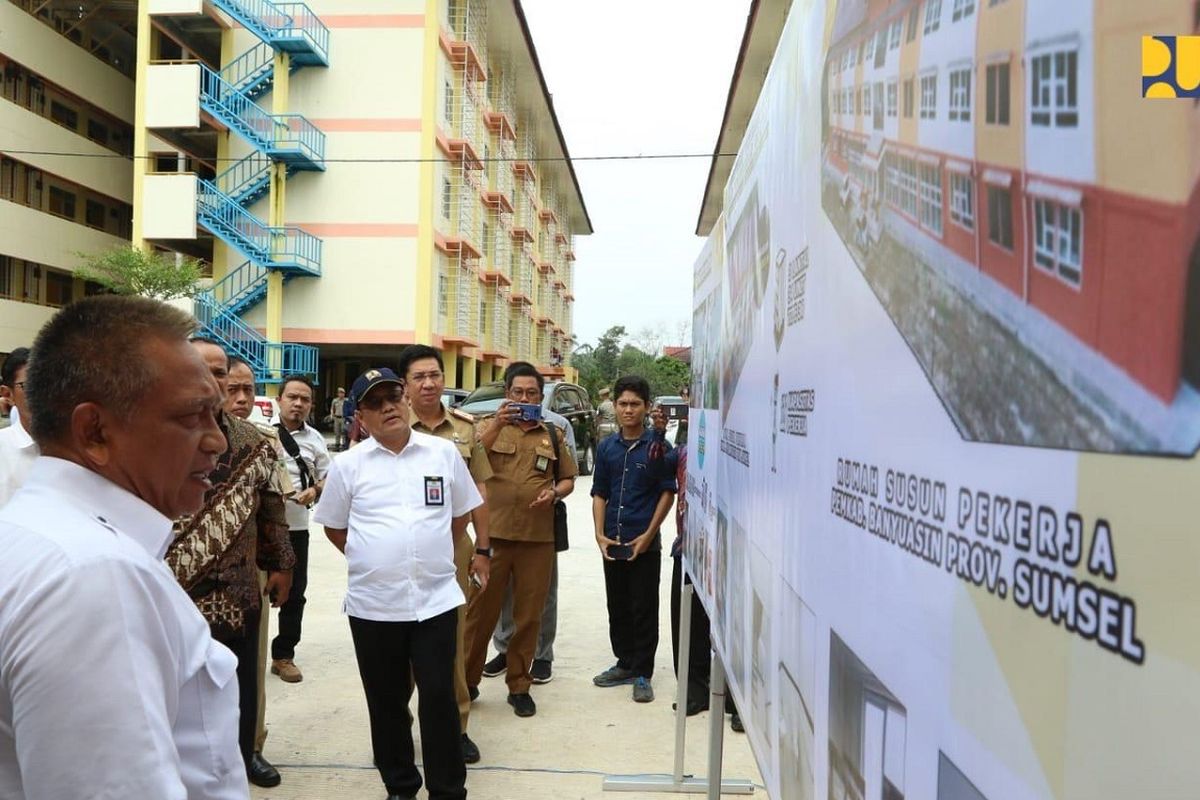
(945, 505)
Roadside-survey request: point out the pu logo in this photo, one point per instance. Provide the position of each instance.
(372, 374)
(1171, 66)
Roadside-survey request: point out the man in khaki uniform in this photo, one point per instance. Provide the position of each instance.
(533, 469)
(424, 379)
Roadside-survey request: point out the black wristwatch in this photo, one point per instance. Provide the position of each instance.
(483, 551)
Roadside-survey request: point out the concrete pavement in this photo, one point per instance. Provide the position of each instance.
(320, 740)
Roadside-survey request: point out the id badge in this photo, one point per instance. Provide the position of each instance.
(542, 464)
(434, 491)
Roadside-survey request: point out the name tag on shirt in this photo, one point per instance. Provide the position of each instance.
(434, 491)
(542, 464)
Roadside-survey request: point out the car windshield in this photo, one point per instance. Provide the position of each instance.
(484, 400)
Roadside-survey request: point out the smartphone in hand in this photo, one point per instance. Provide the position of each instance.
(620, 552)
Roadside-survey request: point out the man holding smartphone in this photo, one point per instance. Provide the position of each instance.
(629, 503)
(532, 468)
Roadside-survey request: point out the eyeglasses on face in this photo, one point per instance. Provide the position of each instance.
(376, 400)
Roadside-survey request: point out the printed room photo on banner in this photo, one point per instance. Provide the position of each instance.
(944, 412)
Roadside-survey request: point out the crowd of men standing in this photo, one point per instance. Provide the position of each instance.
(146, 526)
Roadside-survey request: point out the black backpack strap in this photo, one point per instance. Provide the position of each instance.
(293, 450)
(552, 429)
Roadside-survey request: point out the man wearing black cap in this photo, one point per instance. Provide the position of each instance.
(394, 505)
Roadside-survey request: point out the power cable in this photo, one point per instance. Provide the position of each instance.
(418, 160)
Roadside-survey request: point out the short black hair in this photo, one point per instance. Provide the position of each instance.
(416, 352)
(236, 360)
(523, 369)
(632, 383)
(93, 351)
(296, 377)
(16, 359)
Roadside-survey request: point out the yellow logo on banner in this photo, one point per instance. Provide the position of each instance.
(1171, 66)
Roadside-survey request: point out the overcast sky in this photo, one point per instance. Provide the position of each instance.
(644, 76)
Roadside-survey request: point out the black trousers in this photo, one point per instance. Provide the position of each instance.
(388, 654)
(245, 647)
(291, 613)
(632, 589)
(700, 651)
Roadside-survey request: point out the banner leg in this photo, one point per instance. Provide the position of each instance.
(681, 679)
(716, 726)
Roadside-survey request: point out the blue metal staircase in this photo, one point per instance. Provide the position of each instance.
(222, 203)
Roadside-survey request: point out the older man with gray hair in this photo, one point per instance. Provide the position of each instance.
(110, 684)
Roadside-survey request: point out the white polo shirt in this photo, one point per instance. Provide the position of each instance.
(17, 454)
(316, 453)
(110, 684)
(397, 508)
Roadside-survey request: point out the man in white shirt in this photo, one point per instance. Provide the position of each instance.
(17, 449)
(394, 506)
(307, 462)
(110, 684)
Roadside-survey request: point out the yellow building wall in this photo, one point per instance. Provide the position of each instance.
(20, 322)
(1001, 30)
(910, 61)
(1165, 165)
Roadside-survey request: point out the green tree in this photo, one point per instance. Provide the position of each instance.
(607, 351)
(131, 270)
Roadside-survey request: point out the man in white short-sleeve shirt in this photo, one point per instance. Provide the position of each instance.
(394, 506)
(110, 684)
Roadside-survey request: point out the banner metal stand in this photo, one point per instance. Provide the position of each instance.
(714, 785)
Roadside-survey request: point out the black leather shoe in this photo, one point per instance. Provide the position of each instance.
(261, 773)
(470, 750)
(523, 705)
(401, 797)
(473, 693)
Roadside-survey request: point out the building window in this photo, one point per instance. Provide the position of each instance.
(881, 47)
(62, 202)
(487, 241)
(929, 96)
(447, 197)
(858, 97)
(1000, 229)
(1053, 84)
(94, 214)
(8, 277)
(33, 282)
(960, 95)
(908, 98)
(892, 180)
(1058, 240)
(963, 9)
(891, 98)
(878, 109)
(862, 51)
(914, 17)
(59, 287)
(97, 132)
(962, 200)
(997, 94)
(866, 94)
(933, 16)
(895, 35)
(908, 186)
(63, 115)
(448, 102)
(868, 49)
(931, 198)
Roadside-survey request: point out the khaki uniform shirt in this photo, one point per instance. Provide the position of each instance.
(524, 465)
(459, 427)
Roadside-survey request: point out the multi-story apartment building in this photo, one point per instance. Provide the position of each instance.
(994, 137)
(358, 180)
(66, 87)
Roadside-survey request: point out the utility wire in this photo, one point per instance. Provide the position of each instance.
(418, 160)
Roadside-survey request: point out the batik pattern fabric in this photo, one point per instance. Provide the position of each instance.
(217, 552)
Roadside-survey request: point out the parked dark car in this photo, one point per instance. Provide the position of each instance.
(452, 398)
(563, 398)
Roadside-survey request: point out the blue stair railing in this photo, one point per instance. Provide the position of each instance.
(285, 247)
(242, 288)
(286, 26)
(270, 361)
(246, 180)
(252, 72)
(284, 137)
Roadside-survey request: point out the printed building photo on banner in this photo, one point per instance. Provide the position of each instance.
(748, 266)
(706, 324)
(796, 749)
(952, 784)
(868, 731)
(737, 577)
(720, 591)
(762, 655)
(1034, 238)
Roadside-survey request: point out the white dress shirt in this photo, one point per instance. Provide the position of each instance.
(397, 508)
(17, 454)
(110, 684)
(314, 451)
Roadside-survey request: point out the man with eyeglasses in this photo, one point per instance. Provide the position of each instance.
(533, 468)
(18, 451)
(424, 379)
(395, 505)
